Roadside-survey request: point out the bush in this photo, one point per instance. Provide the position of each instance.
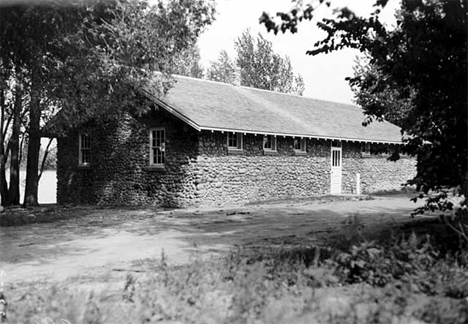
(378, 265)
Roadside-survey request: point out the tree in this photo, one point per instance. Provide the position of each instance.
(188, 63)
(422, 62)
(259, 66)
(13, 104)
(298, 85)
(262, 68)
(222, 70)
(380, 95)
(90, 58)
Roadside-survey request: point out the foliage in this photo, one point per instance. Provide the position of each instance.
(90, 58)
(379, 94)
(262, 68)
(372, 263)
(222, 70)
(403, 280)
(127, 48)
(259, 67)
(416, 76)
(188, 63)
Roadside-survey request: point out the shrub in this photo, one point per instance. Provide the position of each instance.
(378, 264)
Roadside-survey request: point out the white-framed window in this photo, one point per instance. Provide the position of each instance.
(84, 149)
(269, 143)
(235, 141)
(365, 149)
(299, 145)
(157, 146)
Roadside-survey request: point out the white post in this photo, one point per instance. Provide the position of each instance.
(358, 183)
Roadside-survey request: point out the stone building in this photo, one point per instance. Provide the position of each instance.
(207, 143)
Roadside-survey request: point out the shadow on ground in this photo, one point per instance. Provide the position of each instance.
(85, 241)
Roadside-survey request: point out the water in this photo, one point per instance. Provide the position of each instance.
(47, 187)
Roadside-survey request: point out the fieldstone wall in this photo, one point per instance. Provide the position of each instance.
(377, 173)
(224, 177)
(201, 171)
(119, 172)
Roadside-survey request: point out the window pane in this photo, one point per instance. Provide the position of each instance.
(267, 142)
(297, 143)
(157, 143)
(84, 141)
(155, 155)
(85, 156)
(85, 149)
(160, 137)
(336, 155)
(336, 158)
(232, 140)
(157, 139)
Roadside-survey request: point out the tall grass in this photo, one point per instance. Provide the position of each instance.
(404, 280)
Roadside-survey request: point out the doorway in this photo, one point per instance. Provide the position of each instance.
(336, 174)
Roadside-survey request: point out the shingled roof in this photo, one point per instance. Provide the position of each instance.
(215, 106)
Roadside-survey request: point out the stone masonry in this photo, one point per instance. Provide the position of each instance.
(200, 171)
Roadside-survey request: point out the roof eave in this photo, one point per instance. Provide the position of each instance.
(229, 130)
(173, 111)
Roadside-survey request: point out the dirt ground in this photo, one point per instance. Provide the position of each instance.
(99, 241)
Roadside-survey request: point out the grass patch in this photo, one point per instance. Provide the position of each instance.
(405, 190)
(321, 199)
(401, 279)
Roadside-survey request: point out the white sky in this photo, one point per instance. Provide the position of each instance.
(324, 75)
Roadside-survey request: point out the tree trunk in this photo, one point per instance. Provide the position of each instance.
(3, 183)
(34, 144)
(44, 158)
(14, 190)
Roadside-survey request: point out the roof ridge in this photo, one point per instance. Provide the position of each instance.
(202, 80)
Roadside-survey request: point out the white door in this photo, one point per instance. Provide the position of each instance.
(335, 187)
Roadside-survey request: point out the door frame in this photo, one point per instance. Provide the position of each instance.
(336, 146)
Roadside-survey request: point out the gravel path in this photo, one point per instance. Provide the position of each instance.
(97, 241)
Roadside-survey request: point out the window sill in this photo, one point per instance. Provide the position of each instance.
(84, 166)
(156, 168)
(270, 152)
(303, 153)
(235, 151)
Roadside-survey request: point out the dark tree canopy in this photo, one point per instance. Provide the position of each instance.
(89, 58)
(380, 95)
